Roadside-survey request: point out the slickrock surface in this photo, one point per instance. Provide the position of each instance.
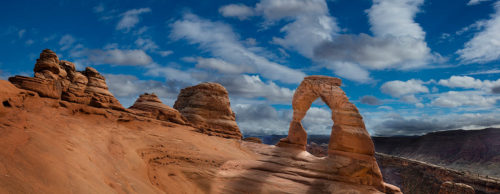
(154, 108)
(59, 79)
(454, 188)
(53, 146)
(206, 106)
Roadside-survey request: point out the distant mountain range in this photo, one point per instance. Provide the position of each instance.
(475, 151)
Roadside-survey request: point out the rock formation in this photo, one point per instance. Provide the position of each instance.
(152, 105)
(348, 131)
(206, 106)
(453, 188)
(349, 139)
(59, 79)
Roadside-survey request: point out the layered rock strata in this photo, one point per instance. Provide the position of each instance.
(206, 106)
(59, 79)
(154, 108)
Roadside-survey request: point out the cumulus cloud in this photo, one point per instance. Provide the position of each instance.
(464, 98)
(370, 100)
(222, 42)
(130, 18)
(247, 86)
(475, 2)
(484, 47)
(118, 57)
(468, 82)
(399, 125)
(240, 11)
(401, 88)
(398, 41)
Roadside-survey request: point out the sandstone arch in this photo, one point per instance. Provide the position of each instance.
(348, 132)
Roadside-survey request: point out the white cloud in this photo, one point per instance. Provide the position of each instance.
(170, 73)
(400, 88)
(240, 11)
(146, 44)
(130, 18)
(118, 57)
(475, 2)
(220, 66)
(469, 83)
(247, 86)
(485, 45)
(220, 40)
(490, 71)
(461, 82)
(66, 42)
(398, 41)
(464, 98)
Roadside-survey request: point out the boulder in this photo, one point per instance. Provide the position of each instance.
(206, 106)
(151, 104)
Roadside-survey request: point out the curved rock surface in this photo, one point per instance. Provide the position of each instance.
(206, 106)
(150, 103)
(59, 79)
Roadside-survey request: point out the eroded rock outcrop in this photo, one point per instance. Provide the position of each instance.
(59, 79)
(350, 144)
(152, 105)
(206, 106)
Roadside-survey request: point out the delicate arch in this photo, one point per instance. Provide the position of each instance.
(348, 132)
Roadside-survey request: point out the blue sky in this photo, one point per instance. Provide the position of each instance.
(411, 66)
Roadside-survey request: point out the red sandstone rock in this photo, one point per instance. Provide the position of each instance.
(454, 188)
(151, 104)
(350, 144)
(60, 80)
(206, 106)
(348, 132)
